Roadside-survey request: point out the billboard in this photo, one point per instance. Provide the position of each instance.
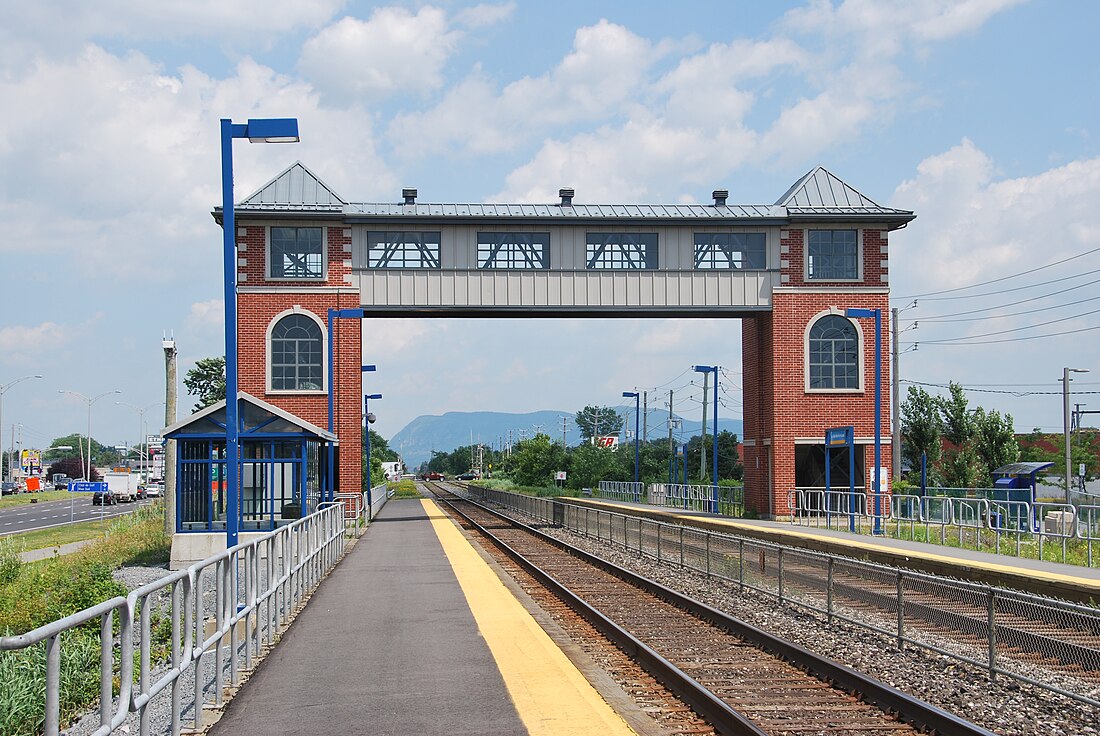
(609, 442)
(31, 461)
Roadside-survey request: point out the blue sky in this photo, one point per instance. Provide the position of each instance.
(977, 114)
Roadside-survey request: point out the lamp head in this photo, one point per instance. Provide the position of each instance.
(273, 130)
(368, 368)
(630, 394)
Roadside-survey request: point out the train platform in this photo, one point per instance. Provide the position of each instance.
(415, 632)
(1054, 579)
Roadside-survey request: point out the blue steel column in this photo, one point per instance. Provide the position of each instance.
(331, 472)
(366, 430)
(229, 254)
(878, 420)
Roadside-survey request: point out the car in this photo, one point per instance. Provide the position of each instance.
(7, 488)
(433, 475)
(104, 498)
(466, 476)
(154, 490)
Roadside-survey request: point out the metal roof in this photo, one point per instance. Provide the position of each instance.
(254, 412)
(1021, 468)
(819, 194)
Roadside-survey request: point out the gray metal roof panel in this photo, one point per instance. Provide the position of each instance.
(296, 187)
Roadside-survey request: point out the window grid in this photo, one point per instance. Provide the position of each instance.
(621, 251)
(833, 255)
(833, 354)
(297, 253)
(297, 355)
(403, 249)
(742, 251)
(513, 250)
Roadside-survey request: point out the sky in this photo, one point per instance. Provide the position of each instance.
(979, 115)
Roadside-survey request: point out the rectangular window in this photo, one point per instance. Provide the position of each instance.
(743, 251)
(402, 249)
(621, 250)
(833, 255)
(513, 250)
(296, 253)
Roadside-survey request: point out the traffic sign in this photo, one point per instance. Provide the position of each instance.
(83, 486)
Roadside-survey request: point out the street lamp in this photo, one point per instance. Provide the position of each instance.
(143, 449)
(263, 130)
(1065, 417)
(89, 402)
(714, 449)
(3, 390)
(634, 395)
(877, 314)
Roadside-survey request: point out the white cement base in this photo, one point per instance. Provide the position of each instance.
(189, 548)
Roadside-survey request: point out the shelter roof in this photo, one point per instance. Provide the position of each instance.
(1022, 468)
(818, 195)
(256, 416)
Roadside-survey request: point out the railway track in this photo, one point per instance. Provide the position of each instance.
(740, 679)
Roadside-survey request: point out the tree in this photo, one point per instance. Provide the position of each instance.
(729, 464)
(207, 381)
(535, 461)
(70, 466)
(601, 421)
(994, 440)
(589, 464)
(380, 452)
(922, 428)
(960, 466)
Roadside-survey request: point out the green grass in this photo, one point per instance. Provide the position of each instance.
(1077, 551)
(22, 499)
(405, 489)
(33, 594)
(58, 535)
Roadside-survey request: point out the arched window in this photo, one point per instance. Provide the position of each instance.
(833, 354)
(297, 354)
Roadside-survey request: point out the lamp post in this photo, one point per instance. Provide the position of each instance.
(3, 390)
(262, 130)
(89, 402)
(877, 314)
(1065, 418)
(634, 395)
(143, 450)
(368, 419)
(714, 449)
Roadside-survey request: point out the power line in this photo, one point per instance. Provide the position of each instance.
(956, 341)
(1003, 278)
(1018, 394)
(943, 317)
(1015, 288)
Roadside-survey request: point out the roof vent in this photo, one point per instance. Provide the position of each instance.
(720, 197)
(566, 197)
(409, 195)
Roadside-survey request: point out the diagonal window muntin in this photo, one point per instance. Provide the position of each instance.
(296, 253)
(403, 249)
(620, 251)
(513, 250)
(739, 251)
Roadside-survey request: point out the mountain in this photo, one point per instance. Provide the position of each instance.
(416, 441)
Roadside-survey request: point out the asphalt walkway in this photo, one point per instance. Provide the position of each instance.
(413, 633)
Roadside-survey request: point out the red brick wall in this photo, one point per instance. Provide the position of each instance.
(255, 312)
(777, 407)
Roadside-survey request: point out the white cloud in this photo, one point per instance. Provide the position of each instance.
(394, 52)
(21, 341)
(600, 77)
(480, 16)
(973, 227)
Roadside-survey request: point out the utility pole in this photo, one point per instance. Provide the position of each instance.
(895, 403)
(170, 395)
(564, 429)
(703, 436)
(645, 416)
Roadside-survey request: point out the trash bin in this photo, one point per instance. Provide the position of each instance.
(586, 492)
(291, 511)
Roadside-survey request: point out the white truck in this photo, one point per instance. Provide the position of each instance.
(124, 486)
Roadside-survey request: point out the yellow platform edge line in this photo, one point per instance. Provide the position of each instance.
(869, 546)
(550, 694)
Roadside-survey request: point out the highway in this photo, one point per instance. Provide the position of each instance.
(34, 516)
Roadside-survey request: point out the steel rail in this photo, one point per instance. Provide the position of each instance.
(909, 709)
